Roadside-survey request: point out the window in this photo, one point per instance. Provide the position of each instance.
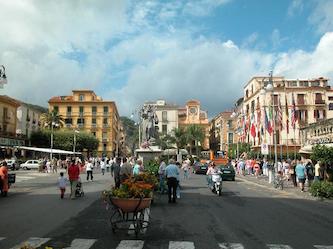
(69, 109)
(94, 110)
(164, 116)
(68, 121)
(81, 109)
(252, 105)
(315, 83)
(276, 99)
(229, 124)
(293, 83)
(93, 121)
(81, 97)
(319, 99)
(105, 109)
(330, 106)
(105, 121)
(304, 83)
(230, 138)
(94, 133)
(164, 129)
(104, 147)
(330, 97)
(247, 93)
(80, 121)
(104, 135)
(56, 108)
(300, 99)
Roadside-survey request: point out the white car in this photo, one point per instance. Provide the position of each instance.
(12, 164)
(30, 164)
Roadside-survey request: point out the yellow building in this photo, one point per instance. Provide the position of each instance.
(8, 120)
(192, 114)
(86, 111)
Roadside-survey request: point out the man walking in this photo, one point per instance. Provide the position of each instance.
(115, 172)
(89, 170)
(125, 170)
(172, 174)
(73, 175)
(161, 173)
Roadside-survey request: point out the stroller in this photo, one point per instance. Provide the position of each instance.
(78, 190)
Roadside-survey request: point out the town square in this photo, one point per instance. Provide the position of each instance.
(181, 124)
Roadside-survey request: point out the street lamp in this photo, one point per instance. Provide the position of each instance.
(270, 88)
(52, 125)
(3, 77)
(74, 140)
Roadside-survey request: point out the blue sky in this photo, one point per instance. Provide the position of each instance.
(135, 51)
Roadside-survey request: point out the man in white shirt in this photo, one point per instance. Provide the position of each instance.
(89, 170)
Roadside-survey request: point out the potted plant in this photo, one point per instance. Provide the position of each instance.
(133, 195)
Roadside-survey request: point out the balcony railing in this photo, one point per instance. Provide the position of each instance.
(106, 125)
(94, 113)
(301, 102)
(69, 114)
(93, 125)
(319, 102)
(80, 125)
(105, 140)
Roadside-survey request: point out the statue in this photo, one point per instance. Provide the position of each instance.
(149, 121)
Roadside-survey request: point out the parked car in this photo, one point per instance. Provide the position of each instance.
(200, 168)
(12, 164)
(30, 164)
(228, 172)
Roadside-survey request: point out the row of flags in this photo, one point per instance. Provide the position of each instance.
(263, 121)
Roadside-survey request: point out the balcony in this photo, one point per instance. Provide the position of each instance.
(303, 123)
(69, 114)
(301, 102)
(320, 102)
(93, 125)
(81, 114)
(106, 126)
(80, 125)
(104, 140)
(94, 113)
(105, 113)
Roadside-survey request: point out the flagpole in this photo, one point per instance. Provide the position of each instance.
(295, 142)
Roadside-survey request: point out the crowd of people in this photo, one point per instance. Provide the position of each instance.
(298, 172)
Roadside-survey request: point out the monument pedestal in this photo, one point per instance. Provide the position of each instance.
(149, 153)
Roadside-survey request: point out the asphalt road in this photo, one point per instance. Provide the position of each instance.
(245, 216)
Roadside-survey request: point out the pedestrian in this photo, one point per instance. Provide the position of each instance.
(73, 175)
(89, 170)
(138, 167)
(178, 181)
(161, 173)
(292, 173)
(185, 168)
(301, 174)
(55, 165)
(109, 162)
(309, 172)
(48, 166)
(4, 186)
(115, 172)
(256, 169)
(103, 166)
(317, 172)
(62, 182)
(172, 173)
(125, 170)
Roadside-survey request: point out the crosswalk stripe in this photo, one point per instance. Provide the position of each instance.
(181, 245)
(130, 244)
(231, 246)
(33, 241)
(279, 246)
(323, 247)
(81, 244)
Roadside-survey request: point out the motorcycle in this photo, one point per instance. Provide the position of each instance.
(217, 183)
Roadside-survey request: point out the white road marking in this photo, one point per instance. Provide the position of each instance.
(33, 241)
(181, 245)
(279, 246)
(81, 244)
(323, 247)
(23, 178)
(231, 246)
(130, 244)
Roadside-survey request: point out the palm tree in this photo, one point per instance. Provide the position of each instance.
(195, 133)
(179, 136)
(52, 117)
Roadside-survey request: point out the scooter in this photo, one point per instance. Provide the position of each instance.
(217, 183)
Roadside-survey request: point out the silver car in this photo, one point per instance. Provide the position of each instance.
(30, 164)
(12, 164)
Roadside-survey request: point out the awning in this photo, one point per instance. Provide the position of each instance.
(47, 150)
(307, 149)
(173, 152)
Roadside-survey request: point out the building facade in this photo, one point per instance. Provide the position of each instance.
(291, 105)
(28, 118)
(8, 122)
(86, 111)
(192, 114)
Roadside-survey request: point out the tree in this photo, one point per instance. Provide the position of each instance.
(165, 141)
(52, 116)
(132, 132)
(194, 134)
(179, 135)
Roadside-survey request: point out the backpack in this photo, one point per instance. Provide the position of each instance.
(309, 170)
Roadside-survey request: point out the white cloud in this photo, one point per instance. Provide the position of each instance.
(202, 7)
(295, 7)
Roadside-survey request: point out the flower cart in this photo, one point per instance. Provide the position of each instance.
(129, 205)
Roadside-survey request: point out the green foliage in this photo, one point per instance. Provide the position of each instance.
(194, 133)
(132, 132)
(52, 116)
(323, 154)
(152, 167)
(322, 189)
(64, 140)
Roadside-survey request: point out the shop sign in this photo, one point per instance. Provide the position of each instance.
(264, 149)
(11, 142)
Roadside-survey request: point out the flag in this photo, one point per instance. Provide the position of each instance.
(279, 114)
(293, 112)
(253, 126)
(287, 114)
(268, 125)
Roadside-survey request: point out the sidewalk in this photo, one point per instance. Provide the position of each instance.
(287, 188)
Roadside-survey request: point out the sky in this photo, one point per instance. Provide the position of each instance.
(135, 51)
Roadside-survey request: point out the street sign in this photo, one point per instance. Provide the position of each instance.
(264, 149)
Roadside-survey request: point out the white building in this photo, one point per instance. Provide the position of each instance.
(28, 117)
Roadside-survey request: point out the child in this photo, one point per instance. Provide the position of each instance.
(62, 181)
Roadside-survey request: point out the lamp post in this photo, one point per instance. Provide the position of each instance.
(52, 125)
(3, 77)
(74, 141)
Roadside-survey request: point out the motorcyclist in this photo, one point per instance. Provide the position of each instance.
(212, 170)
